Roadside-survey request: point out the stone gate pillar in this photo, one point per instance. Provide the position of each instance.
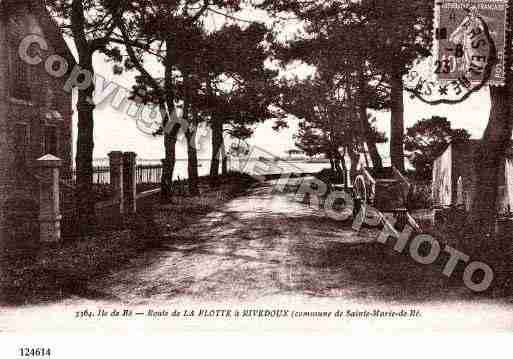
(49, 201)
(116, 178)
(129, 182)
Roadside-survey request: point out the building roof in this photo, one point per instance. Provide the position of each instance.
(50, 28)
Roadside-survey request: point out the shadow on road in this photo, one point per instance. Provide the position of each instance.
(268, 244)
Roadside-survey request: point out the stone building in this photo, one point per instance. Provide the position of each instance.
(454, 177)
(35, 110)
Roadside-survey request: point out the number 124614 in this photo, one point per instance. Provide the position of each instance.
(35, 352)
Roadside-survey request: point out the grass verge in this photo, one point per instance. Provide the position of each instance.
(33, 273)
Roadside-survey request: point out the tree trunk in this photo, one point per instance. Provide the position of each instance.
(480, 223)
(192, 156)
(224, 158)
(190, 134)
(217, 143)
(84, 156)
(168, 170)
(397, 121)
(488, 161)
(377, 162)
(85, 137)
(192, 160)
(171, 137)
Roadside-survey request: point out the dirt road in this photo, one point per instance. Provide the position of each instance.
(271, 250)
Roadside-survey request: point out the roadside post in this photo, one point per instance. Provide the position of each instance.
(49, 199)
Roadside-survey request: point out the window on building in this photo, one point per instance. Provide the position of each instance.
(21, 143)
(19, 75)
(50, 144)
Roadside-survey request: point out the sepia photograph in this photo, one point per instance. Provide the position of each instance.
(255, 166)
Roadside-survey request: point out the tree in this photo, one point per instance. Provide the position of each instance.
(87, 22)
(480, 224)
(165, 30)
(329, 121)
(377, 39)
(238, 93)
(328, 35)
(427, 139)
(217, 86)
(402, 34)
(324, 127)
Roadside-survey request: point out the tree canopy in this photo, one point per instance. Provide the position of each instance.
(427, 140)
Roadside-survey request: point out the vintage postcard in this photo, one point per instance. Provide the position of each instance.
(255, 166)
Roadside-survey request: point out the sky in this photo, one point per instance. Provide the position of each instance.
(116, 130)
